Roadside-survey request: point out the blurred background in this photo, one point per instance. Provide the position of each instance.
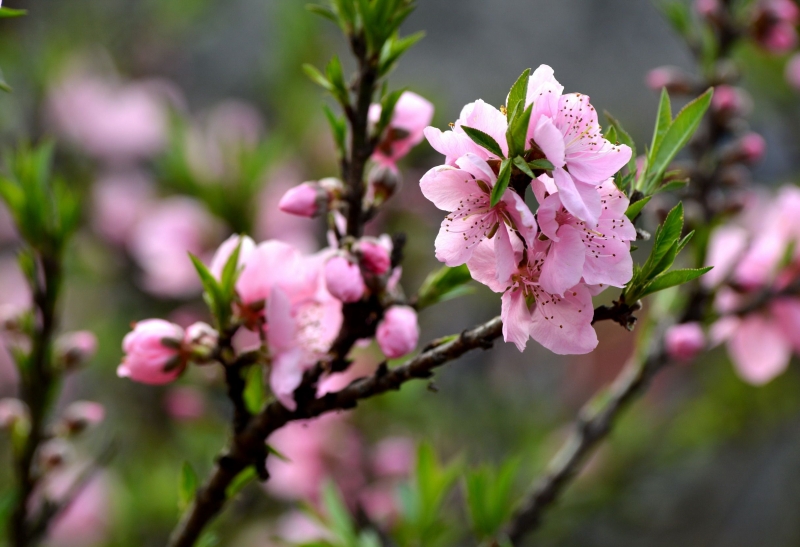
(180, 122)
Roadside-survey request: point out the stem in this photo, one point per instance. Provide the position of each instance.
(36, 387)
(213, 495)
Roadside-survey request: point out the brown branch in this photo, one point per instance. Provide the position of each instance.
(213, 495)
(592, 426)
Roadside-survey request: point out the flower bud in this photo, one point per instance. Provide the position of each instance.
(153, 352)
(11, 317)
(731, 101)
(12, 412)
(305, 200)
(375, 257)
(749, 148)
(383, 183)
(343, 279)
(684, 342)
(398, 332)
(54, 453)
(792, 71)
(673, 78)
(75, 349)
(81, 415)
(707, 8)
(201, 339)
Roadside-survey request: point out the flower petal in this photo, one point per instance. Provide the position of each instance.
(446, 187)
(516, 318)
(579, 198)
(563, 266)
(550, 140)
(564, 325)
(759, 350)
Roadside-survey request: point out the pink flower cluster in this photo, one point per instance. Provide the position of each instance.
(754, 256)
(547, 264)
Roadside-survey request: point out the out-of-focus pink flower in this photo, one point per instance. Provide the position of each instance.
(707, 8)
(297, 527)
(246, 247)
(268, 264)
(81, 415)
(76, 348)
(683, 342)
(110, 120)
(305, 200)
(784, 10)
(86, 521)
(343, 279)
(731, 101)
(465, 192)
(119, 200)
(162, 240)
(375, 254)
(726, 245)
(780, 38)
(152, 352)
(393, 457)
(411, 115)
(752, 147)
(12, 411)
(670, 77)
(792, 71)
(185, 403)
(272, 223)
(201, 334)
(398, 331)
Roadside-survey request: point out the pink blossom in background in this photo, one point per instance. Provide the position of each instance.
(398, 331)
(269, 263)
(732, 101)
(751, 147)
(464, 191)
(412, 114)
(297, 527)
(792, 71)
(343, 279)
(685, 341)
(119, 201)
(81, 415)
(12, 411)
(670, 77)
(707, 8)
(108, 119)
(303, 200)
(15, 297)
(780, 38)
(394, 457)
(375, 254)
(76, 348)
(86, 522)
(184, 403)
(152, 352)
(161, 241)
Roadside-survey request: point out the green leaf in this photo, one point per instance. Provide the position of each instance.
(230, 272)
(663, 121)
(187, 486)
(482, 139)
(672, 186)
(335, 76)
(443, 284)
(665, 246)
(271, 450)
(520, 164)
(240, 481)
(503, 178)
(337, 513)
(217, 303)
(254, 393)
(673, 278)
(317, 77)
(338, 128)
(682, 243)
(541, 164)
(394, 48)
(677, 13)
(323, 11)
(518, 130)
(635, 208)
(387, 108)
(8, 12)
(677, 136)
(3, 84)
(519, 91)
(209, 539)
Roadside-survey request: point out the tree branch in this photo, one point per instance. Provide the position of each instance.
(212, 496)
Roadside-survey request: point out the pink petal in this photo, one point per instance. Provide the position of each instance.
(477, 167)
(504, 252)
(550, 140)
(579, 198)
(483, 116)
(547, 216)
(282, 330)
(451, 247)
(516, 318)
(483, 266)
(563, 266)
(452, 145)
(522, 216)
(725, 247)
(759, 350)
(787, 314)
(612, 265)
(446, 187)
(564, 325)
(286, 375)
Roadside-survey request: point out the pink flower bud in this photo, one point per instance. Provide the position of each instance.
(12, 412)
(398, 332)
(375, 257)
(707, 8)
(11, 317)
(201, 336)
(305, 200)
(779, 38)
(343, 279)
(731, 101)
(673, 78)
(81, 415)
(384, 180)
(792, 72)
(185, 403)
(684, 342)
(752, 147)
(412, 114)
(76, 348)
(153, 352)
(784, 10)
(55, 453)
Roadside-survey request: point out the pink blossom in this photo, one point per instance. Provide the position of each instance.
(246, 248)
(297, 527)
(731, 101)
(465, 192)
(86, 521)
(751, 147)
(184, 403)
(598, 254)
(304, 200)
(120, 200)
(375, 254)
(411, 115)
(398, 331)
(393, 457)
(81, 415)
(152, 352)
(707, 8)
(76, 348)
(163, 239)
(670, 77)
(792, 71)
(683, 342)
(270, 263)
(562, 324)
(110, 120)
(272, 223)
(779, 38)
(455, 143)
(303, 320)
(343, 279)
(784, 10)
(12, 411)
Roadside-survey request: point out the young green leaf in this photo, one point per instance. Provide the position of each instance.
(444, 284)
(387, 108)
(519, 91)
(240, 481)
(673, 278)
(317, 77)
(254, 393)
(663, 121)
(394, 48)
(187, 486)
(518, 130)
(323, 11)
(8, 12)
(482, 139)
(338, 514)
(520, 164)
(635, 208)
(503, 178)
(338, 128)
(335, 76)
(541, 164)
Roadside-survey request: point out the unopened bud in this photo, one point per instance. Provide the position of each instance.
(12, 412)
(398, 331)
(729, 101)
(670, 77)
(201, 339)
(707, 8)
(375, 256)
(384, 182)
(82, 415)
(684, 342)
(75, 349)
(54, 453)
(305, 200)
(343, 279)
(749, 148)
(153, 352)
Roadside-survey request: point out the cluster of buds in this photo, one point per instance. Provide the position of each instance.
(774, 25)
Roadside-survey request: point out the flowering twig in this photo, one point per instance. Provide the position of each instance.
(213, 495)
